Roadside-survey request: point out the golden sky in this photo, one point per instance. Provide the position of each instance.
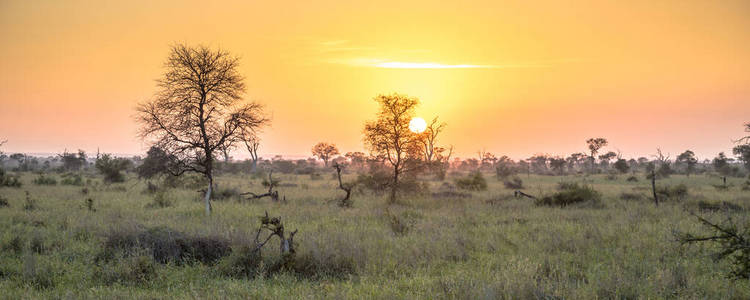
(513, 78)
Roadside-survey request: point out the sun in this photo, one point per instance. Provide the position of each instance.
(417, 125)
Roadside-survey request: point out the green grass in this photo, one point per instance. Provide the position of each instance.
(420, 248)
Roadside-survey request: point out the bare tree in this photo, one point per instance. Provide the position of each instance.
(252, 143)
(325, 151)
(346, 201)
(198, 109)
(389, 135)
(429, 137)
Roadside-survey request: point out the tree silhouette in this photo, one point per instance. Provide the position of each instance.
(688, 159)
(325, 151)
(198, 110)
(429, 137)
(594, 145)
(389, 135)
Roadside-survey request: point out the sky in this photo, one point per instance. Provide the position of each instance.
(513, 78)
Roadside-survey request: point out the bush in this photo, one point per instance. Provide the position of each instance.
(72, 179)
(572, 194)
(514, 183)
(165, 245)
(112, 168)
(732, 240)
(226, 194)
(244, 262)
(676, 193)
(45, 180)
(8, 180)
(632, 179)
(473, 182)
(376, 182)
(4, 202)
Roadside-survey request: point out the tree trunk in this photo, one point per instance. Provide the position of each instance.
(653, 187)
(208, 196)
(392, 199)
(254, 165)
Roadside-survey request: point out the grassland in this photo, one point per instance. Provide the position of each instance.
(488, 246)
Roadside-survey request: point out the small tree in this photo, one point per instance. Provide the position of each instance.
(389, 135)
(112, 167)
(157, 162)
(595, 144)
(325, 151)
(688, 159)
(73, 162)
(622, 166)
(557, 164)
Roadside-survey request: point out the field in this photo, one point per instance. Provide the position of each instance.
(487, 246)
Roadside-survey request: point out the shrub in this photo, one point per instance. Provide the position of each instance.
(376, 182)
(473, 182)
(8, 180)
(165, 245)
(243, 262)
(72, 179)
(572, 194)
(4, 202)
(732, 240)
(14, 245)
(221, 193)
(632, 179)
(513, 183)
(45, 180)
(112, 168)
(677, 192)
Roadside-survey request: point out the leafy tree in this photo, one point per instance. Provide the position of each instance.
(622, 166)
(743, 154)
(198, 110)
(112, 167)
(557, 164)
(73, 162)
(606, 157)
(688, 159)
(357, 159)
(721, 164)
(504, 167)
(157, 162)
(325, 151)
(595, 144)
(389, 135)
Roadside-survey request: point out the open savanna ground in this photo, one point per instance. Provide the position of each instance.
(54, 242)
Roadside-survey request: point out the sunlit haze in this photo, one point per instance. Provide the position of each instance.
(513, 78)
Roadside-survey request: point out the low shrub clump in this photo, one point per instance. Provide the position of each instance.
(164, 245)
(473, 182)
(9, 180)
(632, 179)
(675, 193)
(133, 270)
(72, 179)
(4, 202)
(720, 206)
(513, 183)
(45, 180)
(222, 193)
(162, 199)
(571, 194)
